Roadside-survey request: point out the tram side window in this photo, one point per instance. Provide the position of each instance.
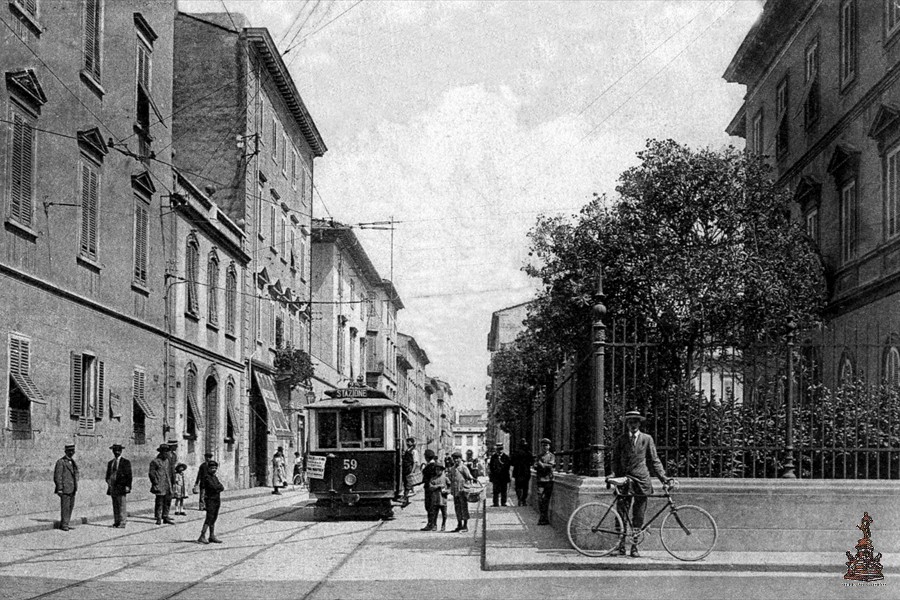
(327, 424)
(351, 429)
(374, 428)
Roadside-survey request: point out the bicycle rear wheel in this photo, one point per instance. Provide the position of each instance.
(595, 529)
(688, 533)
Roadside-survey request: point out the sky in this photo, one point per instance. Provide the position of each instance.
(464, 121)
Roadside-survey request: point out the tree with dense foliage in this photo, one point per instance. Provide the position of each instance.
(698, 246)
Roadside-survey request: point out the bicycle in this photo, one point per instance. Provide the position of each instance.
(596, 529)
(299, 479)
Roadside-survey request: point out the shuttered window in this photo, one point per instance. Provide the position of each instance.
(192, 272)
(848, 41)
(92, 37)
(212, 289)
(231, 415)
(193, 418)
(90, 200)
(21, 181)
(141, 240)
(230, 299)
(849, 222)
(87, 389)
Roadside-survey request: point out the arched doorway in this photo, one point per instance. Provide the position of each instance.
(211, 395)
(259, 449)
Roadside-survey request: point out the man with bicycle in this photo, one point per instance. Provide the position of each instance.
(631, 453)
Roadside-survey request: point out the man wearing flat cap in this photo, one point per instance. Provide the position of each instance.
(161, 483)
(65, 482)
(543, 467)
(118, 485)
(631, 453)
(498, 473)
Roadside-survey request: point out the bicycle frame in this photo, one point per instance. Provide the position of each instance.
(626, 518)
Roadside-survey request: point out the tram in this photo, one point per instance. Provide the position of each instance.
(356, 434)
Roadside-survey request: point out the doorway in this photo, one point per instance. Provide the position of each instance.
(259, 447)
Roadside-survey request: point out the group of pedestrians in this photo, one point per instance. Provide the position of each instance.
(167, 484)
(521, 464)
(442, 483)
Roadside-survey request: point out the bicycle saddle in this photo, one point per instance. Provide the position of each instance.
(618, 481)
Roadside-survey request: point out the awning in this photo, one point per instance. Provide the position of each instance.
(198, 417)
(277, 422)
(23, 380)
(232, 413)
(145, 406)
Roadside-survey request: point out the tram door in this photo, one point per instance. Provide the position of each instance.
(259, 450)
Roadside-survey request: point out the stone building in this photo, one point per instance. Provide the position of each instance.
(381, 338)
(81, 256)
(506, 324)
(442, 395)
(413, 390)
(205, 373)
(469, 429)
(821, 106)
(242, 126)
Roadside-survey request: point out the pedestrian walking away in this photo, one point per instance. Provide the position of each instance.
(213, 490)
(179, 489)
(161, 485)
(279, 471)
(65, 482)
(498, 473)
(543, 468)
(522, 459)
(201, 474)
(459, 476)
(428, 473)
(438, 488)
(118, 485)
(632, 451)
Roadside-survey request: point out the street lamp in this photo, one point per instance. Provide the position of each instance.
(310, 397)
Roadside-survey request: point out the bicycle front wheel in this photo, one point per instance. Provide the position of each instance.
(688, 533)
(595, 529)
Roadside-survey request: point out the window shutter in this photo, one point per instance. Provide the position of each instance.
(22, 175)
(76, 401)
(92, 37)
(101, 389)
(89, 192)
(19, 356)
(141, 225)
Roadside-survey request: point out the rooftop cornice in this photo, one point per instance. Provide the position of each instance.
(261, 41)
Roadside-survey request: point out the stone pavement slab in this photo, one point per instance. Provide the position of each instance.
(514, 542)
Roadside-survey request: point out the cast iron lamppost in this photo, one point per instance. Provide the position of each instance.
(597, 468)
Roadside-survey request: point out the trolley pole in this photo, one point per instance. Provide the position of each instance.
(789, 406)
(597, 468)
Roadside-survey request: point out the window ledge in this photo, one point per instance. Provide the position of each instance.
(189, 436)
(140, 288)
(228, 441)
(284, 261)
(23, 14)
(21, 229)
(848, 85)
(230, 335)
(273, 249)
(192, 316)
(212, 326)
(92, 83)
(90, 263)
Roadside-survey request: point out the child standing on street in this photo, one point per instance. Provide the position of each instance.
(212, 489)
(438, 489)
(179, 490)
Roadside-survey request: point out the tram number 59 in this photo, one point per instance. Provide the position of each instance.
(350, 464)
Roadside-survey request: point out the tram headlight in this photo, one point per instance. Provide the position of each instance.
(350, 479)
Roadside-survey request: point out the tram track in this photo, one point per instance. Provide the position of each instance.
(340, 564)
(147, 559)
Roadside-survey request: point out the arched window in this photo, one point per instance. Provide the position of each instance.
(230, 412)
(192, 274)
(892, 367)
(212, 288)
(230, 299)
(845, 371)
(193, 420)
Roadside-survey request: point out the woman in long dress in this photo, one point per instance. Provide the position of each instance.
(279, 471)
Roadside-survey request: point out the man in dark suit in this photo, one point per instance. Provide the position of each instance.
(118, 485)
(201, 477)
(498, 473)
(161, 484)
(65, 480)
(632, 451)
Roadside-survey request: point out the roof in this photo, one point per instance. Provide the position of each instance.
(411, 343)
(392, 293)
(334, 232)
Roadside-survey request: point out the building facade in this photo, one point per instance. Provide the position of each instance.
(241, 126)
(415, 391)
(204, 370)
(381, 338)
(81, 258)
(469, 432)
(821, 106)
(506, 324)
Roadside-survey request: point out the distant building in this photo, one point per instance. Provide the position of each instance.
(81, 261)
(413, 390)
(506, 325)
(241, 125)
(822, 105)
(442, 394)
(381, 338)
(469, 431)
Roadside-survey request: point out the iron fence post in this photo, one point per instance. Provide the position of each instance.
(597, 468)
(789, 407)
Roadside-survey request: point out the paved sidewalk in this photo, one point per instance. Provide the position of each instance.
(138, 504)
(514, 542)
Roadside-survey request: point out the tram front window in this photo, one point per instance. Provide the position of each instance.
(351, 429)
(327, 429)
(374, 427)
